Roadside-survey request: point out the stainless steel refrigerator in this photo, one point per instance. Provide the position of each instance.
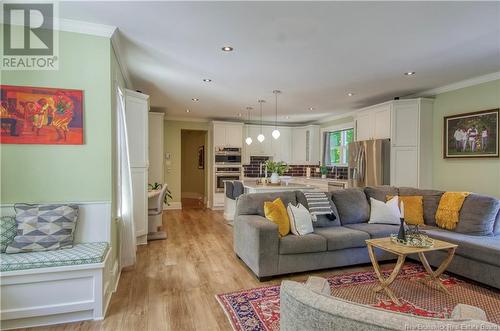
(369, 163)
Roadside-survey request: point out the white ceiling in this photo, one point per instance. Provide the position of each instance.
(314, 52)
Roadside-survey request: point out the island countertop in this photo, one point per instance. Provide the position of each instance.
(251, 186)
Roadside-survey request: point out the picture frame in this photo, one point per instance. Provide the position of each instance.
(201, 157)
(41, 115)
(471, 135)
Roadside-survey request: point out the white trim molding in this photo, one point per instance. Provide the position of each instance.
(458, 85)
(350, 113)
(174, 205)
(94, 29)
(116, 44)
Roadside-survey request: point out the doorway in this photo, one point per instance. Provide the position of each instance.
(194, 169)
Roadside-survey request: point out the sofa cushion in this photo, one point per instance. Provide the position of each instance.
(341, 237)
(253, 203)
(308, 243)
(484, 249)
(8, 231)
(478, 215)
(86, 253)
(380, 192)
(431, 200)
(322, 220)
(375, 230)
(352, 205)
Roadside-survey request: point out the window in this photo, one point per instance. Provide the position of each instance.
(335, 146)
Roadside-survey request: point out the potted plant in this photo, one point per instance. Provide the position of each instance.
(158, 186)
(323, 170)
(277, 169)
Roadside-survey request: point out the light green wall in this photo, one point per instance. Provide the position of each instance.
(339, 121)
(192, 178)
(475, 175)
(173, 146)
(51, 173)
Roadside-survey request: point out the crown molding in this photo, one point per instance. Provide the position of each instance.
(94, 29)
(335, 117)
(186, 119)
(458, 85)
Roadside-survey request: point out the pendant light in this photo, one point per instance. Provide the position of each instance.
(261, 136)
(276, 132)
(248, 140)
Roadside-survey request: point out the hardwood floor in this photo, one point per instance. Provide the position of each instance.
(174, 282)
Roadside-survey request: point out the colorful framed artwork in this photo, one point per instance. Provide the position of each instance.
(201, 157)
(471, 135)
(41, 115)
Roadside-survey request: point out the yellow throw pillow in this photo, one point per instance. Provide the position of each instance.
(276, 212)
(414, 208)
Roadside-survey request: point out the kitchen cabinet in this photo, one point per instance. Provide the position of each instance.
(281, 147)
(374, 122)
(227, 134)
(408, 123)
(305, 145)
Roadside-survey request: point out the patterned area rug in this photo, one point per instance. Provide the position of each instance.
(259, 308)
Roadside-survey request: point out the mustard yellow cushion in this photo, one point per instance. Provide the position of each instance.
(448, 210)
(414, 208)
(276, 212)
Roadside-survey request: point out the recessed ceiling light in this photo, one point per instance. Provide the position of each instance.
(239, 115)
(207, 80)
(195, 99)
(311, 108)
(227, 49)
(350, 94)
(287, 117)
(410, 73)
(187, 110)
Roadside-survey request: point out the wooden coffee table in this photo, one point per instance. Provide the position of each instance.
(402, 251)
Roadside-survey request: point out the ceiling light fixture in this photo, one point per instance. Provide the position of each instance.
(187, 110)
(239, 114)
(409, 73)
(311, 108)
(207, 80)
(195, 99)
(276, 132)
(261, 136)
(350, 94)
(227, 49)
(248, 140)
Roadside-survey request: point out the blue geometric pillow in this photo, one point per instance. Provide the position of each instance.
(43, 227)
(8, 230)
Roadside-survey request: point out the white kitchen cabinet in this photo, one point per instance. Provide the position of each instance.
(305, 145)
(404, 166)
(137, 119)
(374, 122)
(227, 134)
(156, 151)
(281, 147)
(405, 128)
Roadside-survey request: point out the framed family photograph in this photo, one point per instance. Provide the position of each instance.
(471, 135)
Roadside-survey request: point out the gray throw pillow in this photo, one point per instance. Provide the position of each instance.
(352, 205)
(478, 215)
(8, 231)
(322, 220)
(43, 227)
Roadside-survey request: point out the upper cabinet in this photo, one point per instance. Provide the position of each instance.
(136, 112)
(374, 122)
(227, 134)
(305, 145)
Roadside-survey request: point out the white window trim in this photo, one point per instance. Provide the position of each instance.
(338, 127)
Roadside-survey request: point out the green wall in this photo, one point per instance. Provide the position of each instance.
(173, 146)
(475, 175)
(339, 121)
(53, 173)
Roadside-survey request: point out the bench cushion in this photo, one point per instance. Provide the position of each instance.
(86, 253)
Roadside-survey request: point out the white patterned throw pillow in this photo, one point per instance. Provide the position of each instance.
(300, 219)
(43, 227)
(385, 213)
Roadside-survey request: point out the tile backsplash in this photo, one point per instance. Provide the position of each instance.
(296, 170)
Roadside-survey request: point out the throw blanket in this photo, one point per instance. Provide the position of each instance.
(448, 210)
(318, 204)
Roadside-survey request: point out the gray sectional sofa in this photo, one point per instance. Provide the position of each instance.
(342, 242)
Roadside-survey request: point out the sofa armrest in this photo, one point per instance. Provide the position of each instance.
(256, 242)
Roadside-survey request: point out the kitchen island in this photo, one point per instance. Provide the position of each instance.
(251, 186)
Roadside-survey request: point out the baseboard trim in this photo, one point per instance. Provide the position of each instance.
(174, 205)
(193, 195)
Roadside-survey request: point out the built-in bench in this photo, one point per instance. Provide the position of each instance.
(65, 285)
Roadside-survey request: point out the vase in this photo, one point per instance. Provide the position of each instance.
(323, 176)
(402, 231)
(275, 178)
